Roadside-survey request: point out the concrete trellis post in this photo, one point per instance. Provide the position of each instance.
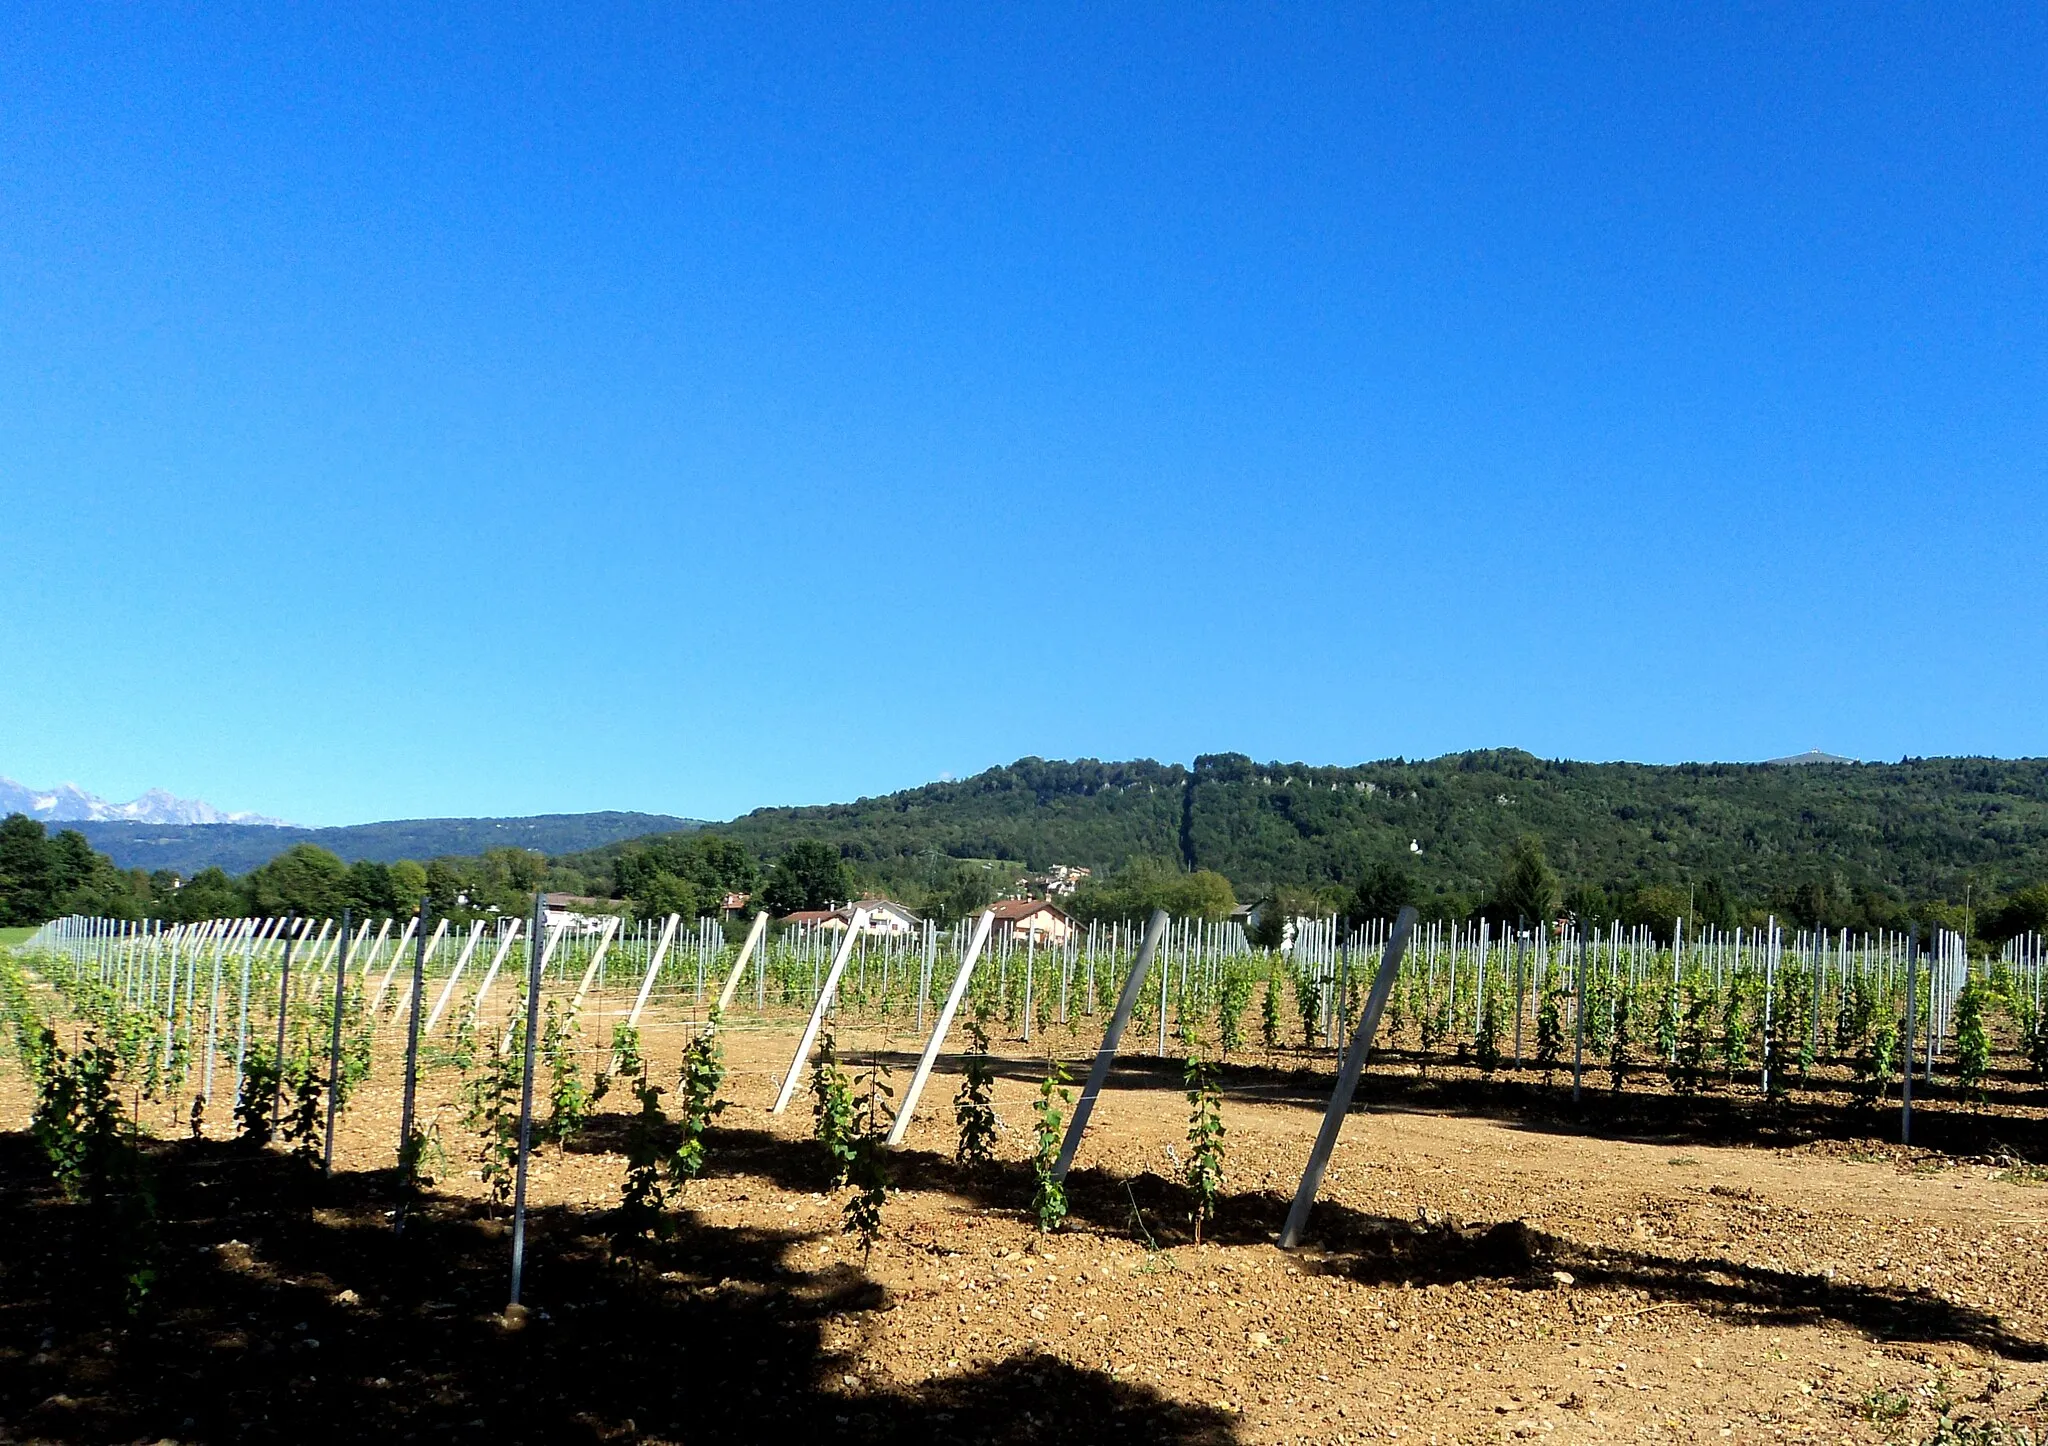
(755, 932)
(1111, 1037)
(1347, 1081)
(604, 944)
(334, 1052)
(433, 947)
(547, 957)
(536, 961)
(1770, 987)
(483, 990)
(943, 1024)
(323, 957)
(826, 990)
(476, 933)
(668, 936)
(284, 1010)
(242, 1028)
(1677, 954)
(1579, 1012)
(397, 954)
(376, 949)
(407, 1161)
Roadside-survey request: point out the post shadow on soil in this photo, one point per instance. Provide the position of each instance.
(1944, 1123)
(286, 1310)
(1386, 1251)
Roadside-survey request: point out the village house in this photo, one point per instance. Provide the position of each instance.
(886, 918)
(1024, 920)
(578, 913)
(1064, 879)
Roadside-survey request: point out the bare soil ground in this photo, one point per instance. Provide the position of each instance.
(1487, 1261)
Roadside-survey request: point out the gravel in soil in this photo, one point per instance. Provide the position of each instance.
(1485, 1263)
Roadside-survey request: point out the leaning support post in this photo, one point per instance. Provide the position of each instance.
(408, 1152)
(668, 935)
(433, 947)
(483, 988)
(334, 1055)
(604, 944)
(825, 993)
(242, 1024)
(739, 965)
(284, 1012)
(535, 961)
(1347, 1081)
(384, 984)
(1106, 1055)
(476, 932)
(945, 1022)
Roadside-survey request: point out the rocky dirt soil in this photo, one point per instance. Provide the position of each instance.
(1487, 1263)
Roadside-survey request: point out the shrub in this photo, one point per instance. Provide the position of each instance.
(624, 1062)
(357, 1030)
(307, 1088)
(1435, 1023)
(1204, 1171)
(1695, 1042)
(1486, 1047)
(1796, 1010)
(1231, 1002)
(2034, 1040)
(568, 1100)
(1855, 1014)
(1599, 1005)
(491, 1110)
(974, 1110)
(1269, 1012)
(1735, 1026)
(1550, 1029)
(77, 1118)
(1049, 1195)
(1973, 1038)
(1308, 999)
(262, 1082)
(421, 1157)
(832, 1109)
(1667, 1024)
(78, 1122)
(643, 1197)
(1877, 1058)
(697, 1092)
(1621, 1039)
(867, 1170)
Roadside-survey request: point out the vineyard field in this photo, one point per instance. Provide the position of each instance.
(1489, 1257)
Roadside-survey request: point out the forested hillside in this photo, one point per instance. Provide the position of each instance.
(1849, 845)
(1033, 811)
(1920, 829)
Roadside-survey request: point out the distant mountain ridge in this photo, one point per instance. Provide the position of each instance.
(239, 847)
(1918, 828)
(68, 803)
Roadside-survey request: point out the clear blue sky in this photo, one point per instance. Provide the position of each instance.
(688, 410)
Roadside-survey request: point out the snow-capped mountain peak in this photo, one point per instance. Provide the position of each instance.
(68, 803)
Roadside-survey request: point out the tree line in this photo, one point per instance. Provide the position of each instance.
(697, 874)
